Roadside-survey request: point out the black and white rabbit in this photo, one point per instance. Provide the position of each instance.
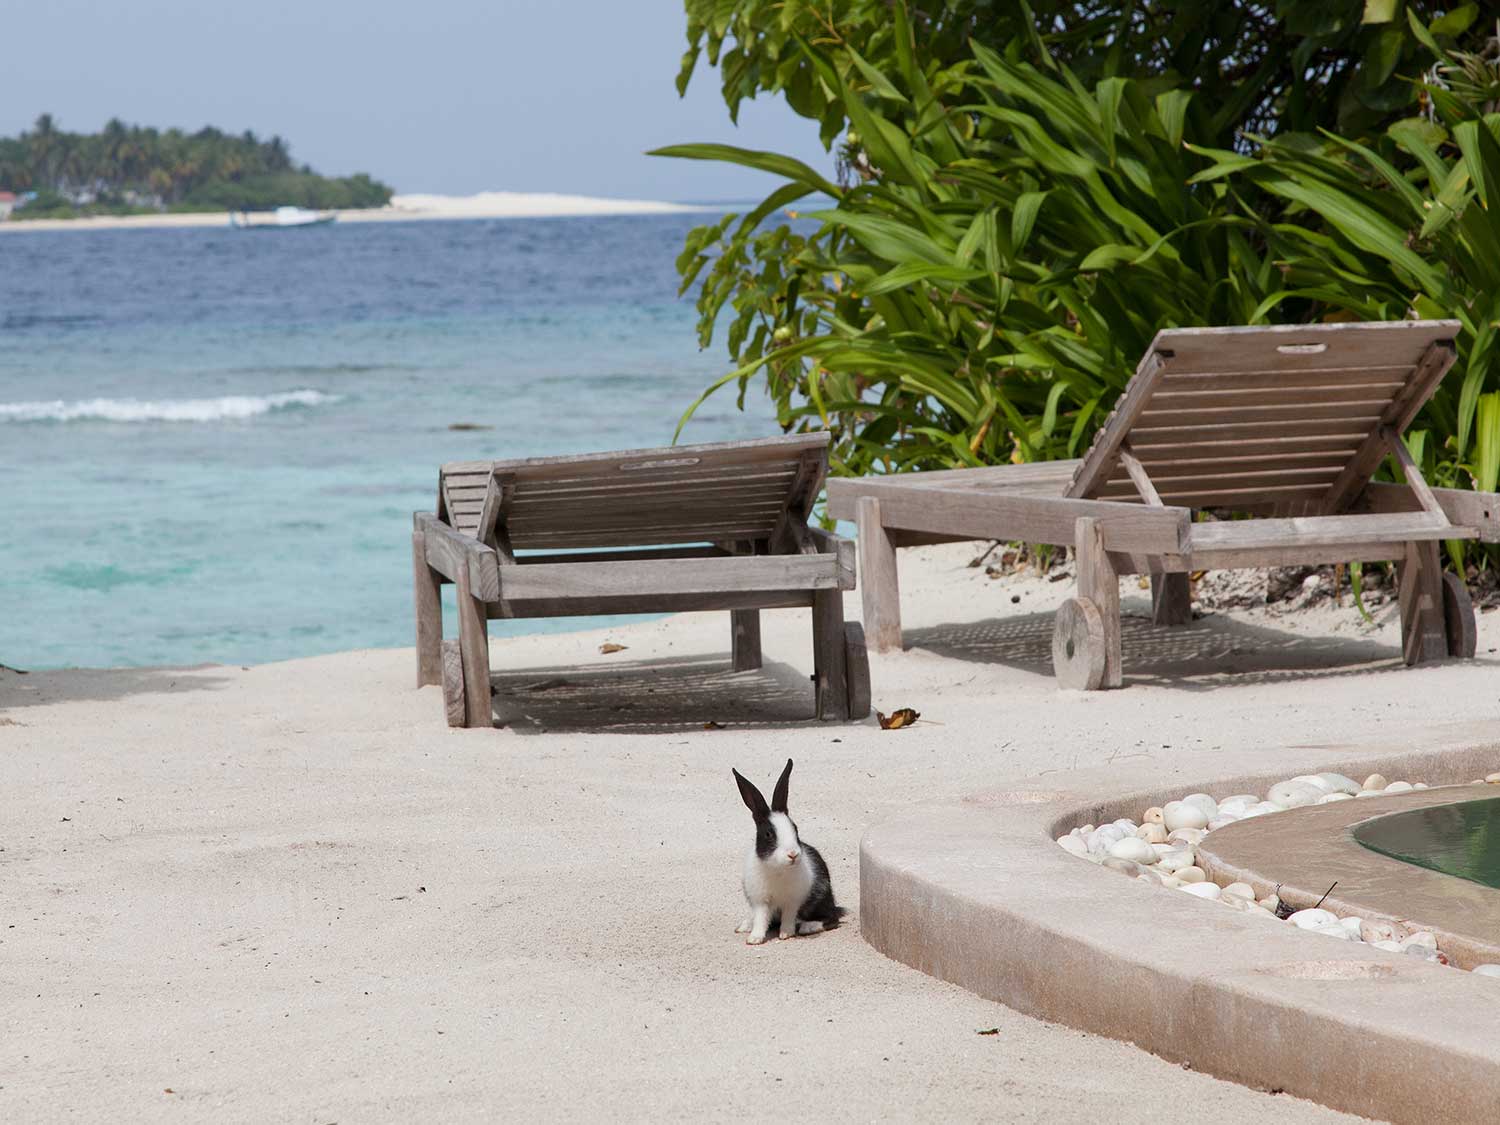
(786, 881)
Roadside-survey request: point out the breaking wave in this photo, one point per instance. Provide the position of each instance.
(225, 408)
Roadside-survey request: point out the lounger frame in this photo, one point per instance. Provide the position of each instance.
(1287, 423)
(685, 528)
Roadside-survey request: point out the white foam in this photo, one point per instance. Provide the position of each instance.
(227, 407)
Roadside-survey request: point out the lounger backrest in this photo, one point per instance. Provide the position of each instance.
(728, 491)
(1285, 418)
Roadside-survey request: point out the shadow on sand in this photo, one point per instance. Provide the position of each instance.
(655, 697)
(1212, 652)
(33, 689)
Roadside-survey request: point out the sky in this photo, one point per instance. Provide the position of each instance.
(447, 96)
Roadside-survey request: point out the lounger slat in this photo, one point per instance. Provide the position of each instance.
(1181, 466)
(1187, 484)
(773, 491)
(1229, 496)
(761, 516)
(1352, 413)
(640, 537)
(1269, 449)
(1347, 432)
(684, 457)
(1273, 379)
(772, 479)
(1325, 397)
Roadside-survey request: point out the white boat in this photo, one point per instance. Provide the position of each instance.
(281, 218)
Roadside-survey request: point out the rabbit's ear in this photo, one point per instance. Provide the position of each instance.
(753, 800)
(778, 797)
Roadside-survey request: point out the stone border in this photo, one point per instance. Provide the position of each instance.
(1318, 847)
(977, 892)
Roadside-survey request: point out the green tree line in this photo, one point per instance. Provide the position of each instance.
(131, 167)
(1024, 194)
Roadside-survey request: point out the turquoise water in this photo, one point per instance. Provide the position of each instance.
(1461, 840)
(213, 440)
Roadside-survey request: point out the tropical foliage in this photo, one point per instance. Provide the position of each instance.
(1026, 196)
(125, 167)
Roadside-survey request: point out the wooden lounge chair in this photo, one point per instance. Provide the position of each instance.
(695, 527)
(1286, 423)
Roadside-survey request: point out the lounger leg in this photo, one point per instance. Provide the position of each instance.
(1424, 633)
(1098, 582)
(426, 583)
(830, 673)
(880, 592)
(744, 629)
(1171, 599)
(474, 640)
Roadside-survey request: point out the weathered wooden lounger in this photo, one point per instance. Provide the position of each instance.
(1284, 422)
(734, 514)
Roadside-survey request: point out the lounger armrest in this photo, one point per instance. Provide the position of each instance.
(1479, 510)
(448, 550)
(828, 543)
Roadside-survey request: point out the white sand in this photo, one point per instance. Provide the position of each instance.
(290, 893)
(402, 208)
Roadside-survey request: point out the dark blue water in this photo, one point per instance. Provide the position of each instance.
(212, 441)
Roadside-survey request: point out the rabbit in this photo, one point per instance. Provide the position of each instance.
(786, 881)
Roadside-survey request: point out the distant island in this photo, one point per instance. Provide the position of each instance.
(47, 173)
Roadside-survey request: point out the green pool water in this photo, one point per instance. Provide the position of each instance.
(1461, 840)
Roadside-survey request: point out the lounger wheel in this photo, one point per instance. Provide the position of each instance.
(453, 683)
(857, 665)
(1078, 647)
(1458, 617)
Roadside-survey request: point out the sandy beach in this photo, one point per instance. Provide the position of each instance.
(402, 208)
(289, 892)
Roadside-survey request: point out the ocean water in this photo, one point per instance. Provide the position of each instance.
(212, 441)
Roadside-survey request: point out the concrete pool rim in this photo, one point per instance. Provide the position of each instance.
(976, 892)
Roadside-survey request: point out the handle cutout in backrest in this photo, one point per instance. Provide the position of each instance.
(1301, 349)
(667, 463)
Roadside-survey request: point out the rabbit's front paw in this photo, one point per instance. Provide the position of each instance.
(756, 939)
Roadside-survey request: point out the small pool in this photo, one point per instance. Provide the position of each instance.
(1461, 839)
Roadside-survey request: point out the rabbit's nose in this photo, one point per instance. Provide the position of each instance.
(791, 856)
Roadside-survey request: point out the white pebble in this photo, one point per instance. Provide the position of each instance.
(1309, 919)
(1176, 859)
(1388, 946)
(1191, 874)
(1355, 926)
(1315, 780)
(1338, 783)
(1333, 929)
(1241, 890)
(1375, 781)
(1369, 793)
(1399, 787)
(1152, 815)
(1202, 890)
(1492, 779)
(1374, 932)
(1149, 876)
(1123, 866)
(1330, 798)
(1270, 902)
(1293, 794)
(1188, 837)
(1177, 814)
(1488, 969)
(1420, 951)
(1219, 822)
(1209, 806)
(1127, 824)
(1419, 785)
(1421, 938)
(1073, 845)
(1152, 833)
(1133, 848)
